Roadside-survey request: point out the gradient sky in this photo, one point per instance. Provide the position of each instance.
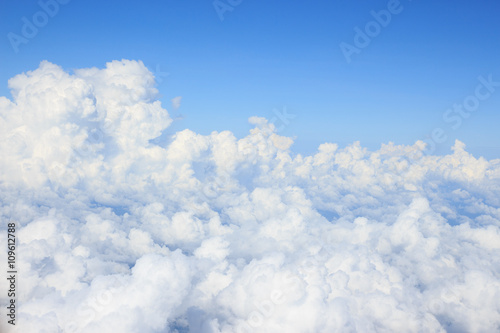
(268, 55)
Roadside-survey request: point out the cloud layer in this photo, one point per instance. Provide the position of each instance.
(119, 232)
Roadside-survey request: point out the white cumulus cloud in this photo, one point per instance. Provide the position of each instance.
(215, 234)
(176, 102)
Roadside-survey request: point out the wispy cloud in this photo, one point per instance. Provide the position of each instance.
(176, 102)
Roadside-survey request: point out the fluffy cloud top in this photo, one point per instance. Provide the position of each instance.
(216, 234)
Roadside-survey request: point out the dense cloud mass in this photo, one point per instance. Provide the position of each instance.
(118, 232)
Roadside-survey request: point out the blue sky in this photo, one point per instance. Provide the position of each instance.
(267, 56)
